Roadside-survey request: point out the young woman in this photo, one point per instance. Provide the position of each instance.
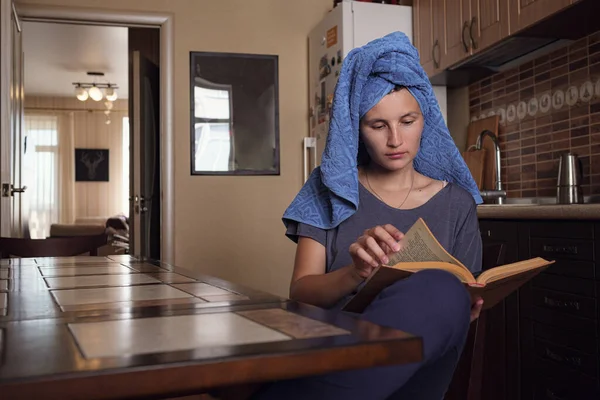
(386, 152)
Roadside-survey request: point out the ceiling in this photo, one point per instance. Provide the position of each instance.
(56, 55)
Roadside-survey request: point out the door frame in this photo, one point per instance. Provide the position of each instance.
(6, 104)
(164, 21)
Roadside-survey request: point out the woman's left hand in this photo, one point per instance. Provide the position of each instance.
(476, 308)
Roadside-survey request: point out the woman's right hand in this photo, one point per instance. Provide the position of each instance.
(372, 248)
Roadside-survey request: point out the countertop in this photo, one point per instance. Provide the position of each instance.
(539, 211)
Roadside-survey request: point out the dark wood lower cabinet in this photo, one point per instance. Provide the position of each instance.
(501, 357)
(543, 342)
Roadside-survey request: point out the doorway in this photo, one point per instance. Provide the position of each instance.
(74, 143)
(153, 112)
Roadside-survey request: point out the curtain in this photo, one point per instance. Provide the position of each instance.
(41, 171)
(66, 169)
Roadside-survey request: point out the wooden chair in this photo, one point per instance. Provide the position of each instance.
(51, 247)
(467, 382)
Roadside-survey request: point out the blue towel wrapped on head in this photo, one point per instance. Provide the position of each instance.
(330, 195)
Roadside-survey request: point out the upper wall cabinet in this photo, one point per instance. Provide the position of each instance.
(524, 13)
(489, 23)
(447, 32)
(457, 31)
(470, 26)
(427, 34)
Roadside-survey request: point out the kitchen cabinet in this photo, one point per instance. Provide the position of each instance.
(427, 33)
(543, 341)
(489, 23)
(559, 311)
(456, 34)
(501, 358)
(524, 13)
(447, 32)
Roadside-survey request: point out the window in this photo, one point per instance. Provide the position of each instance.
(212, 123)
(40, 174)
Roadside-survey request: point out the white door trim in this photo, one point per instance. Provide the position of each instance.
(5, 112)
(129, 18)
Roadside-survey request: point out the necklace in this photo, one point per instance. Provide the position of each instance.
(375, 193)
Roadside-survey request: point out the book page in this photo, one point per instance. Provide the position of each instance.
(516, 268)
(419, 244)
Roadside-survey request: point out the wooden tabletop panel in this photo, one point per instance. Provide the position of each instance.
(163, 331)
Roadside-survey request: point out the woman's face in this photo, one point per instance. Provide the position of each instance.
(391, 131)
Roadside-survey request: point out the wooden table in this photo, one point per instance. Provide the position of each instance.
(100, 328)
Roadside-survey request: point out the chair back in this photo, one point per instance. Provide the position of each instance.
(51, 247)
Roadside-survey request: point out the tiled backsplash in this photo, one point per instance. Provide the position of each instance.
(546, 107)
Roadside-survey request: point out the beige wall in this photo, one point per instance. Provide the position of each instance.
(231, 226)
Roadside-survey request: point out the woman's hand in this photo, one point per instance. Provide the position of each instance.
(476, 308)
(371, 249)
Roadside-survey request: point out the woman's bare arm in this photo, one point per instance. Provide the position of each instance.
(310, 284)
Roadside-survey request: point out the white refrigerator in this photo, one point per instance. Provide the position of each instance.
(350, 24)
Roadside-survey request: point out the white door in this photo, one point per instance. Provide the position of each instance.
(145, 185)
(11, 121)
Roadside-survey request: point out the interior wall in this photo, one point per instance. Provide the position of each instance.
(231, 226)
(458, 115)
(92, 199)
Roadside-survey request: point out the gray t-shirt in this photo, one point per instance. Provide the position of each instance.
(451, 214)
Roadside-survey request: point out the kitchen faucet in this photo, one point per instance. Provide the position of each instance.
(498, 193)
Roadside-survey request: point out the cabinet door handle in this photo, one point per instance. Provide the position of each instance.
(463, 39)
(556, 303)
(473, 41)
(560, 249)
(436, 62)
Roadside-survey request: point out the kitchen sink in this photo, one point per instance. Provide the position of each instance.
(536, 201)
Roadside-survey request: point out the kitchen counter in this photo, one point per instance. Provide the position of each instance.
(539, 211)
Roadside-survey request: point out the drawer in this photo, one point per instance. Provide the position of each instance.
(567, 357)
(569, 249)
(572, 268)
(550, 389)
(562, 229)
(577, 286)
(579, 306)
(566, 322)
(547, 380)
(498, 230)
(585, 343)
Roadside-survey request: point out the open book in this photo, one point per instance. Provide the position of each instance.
(419, 250)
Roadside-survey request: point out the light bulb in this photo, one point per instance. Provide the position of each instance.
(81, 93)
(95, 93)
(111, 94)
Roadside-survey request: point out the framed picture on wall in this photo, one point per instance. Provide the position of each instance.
(234, 127)
(91, 165)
